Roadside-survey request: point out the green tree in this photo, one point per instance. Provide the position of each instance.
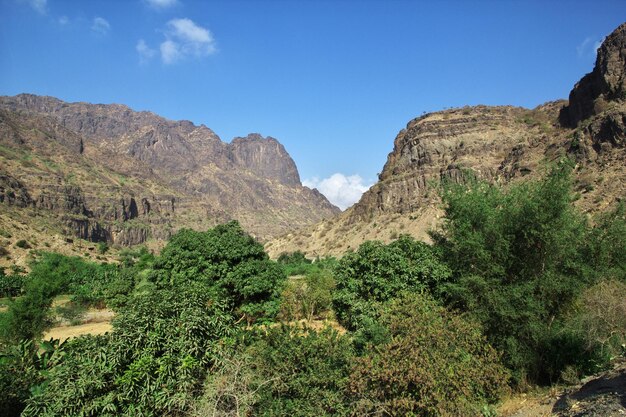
(377, 272)
(519, 256)
(230, 262)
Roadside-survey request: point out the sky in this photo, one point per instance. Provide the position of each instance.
(333, 81)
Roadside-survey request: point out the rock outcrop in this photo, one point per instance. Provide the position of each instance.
(605, 85)
(264, 157)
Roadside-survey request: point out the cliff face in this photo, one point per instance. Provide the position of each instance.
(107, 173)
(605, 85)
(498, 144)
(264, 157)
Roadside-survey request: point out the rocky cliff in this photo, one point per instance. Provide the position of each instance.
(108, 173)
(499, 144)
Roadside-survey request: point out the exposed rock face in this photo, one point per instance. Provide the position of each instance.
(111, 174)
(605, 84)
(498, 144)
(13, 192)
(265, 157)
(487, 141)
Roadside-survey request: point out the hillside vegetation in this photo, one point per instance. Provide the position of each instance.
(508, 296)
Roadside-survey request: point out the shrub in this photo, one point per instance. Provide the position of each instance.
(434, 364)
(10, 285)
(230, 262)
(23, 367)
(376, 273)
(23, 244)
(308, 297)
(520, 257)
(151, 364)
(301, 372)
(71, 312)
(601, 318)
(103, 248)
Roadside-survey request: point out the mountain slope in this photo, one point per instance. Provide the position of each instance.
(496, 144)
(107, 173)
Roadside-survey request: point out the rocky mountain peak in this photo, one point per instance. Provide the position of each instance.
(265, 157)
(605, 84)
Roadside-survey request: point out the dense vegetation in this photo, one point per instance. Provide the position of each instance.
(511, 292)
(521, 257)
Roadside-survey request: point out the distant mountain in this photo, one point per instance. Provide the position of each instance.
(108, 173)
(499, 144)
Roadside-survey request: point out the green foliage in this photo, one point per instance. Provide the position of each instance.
(434, 364)
(301, 372)
(295, 263)
(103, 248)
(230, 262)
(151, 364)
(71, 312)
(520, 257)
(600, 318)
(608, 244)
(308, 297)
(53, 274)
(376, 273)
(140, 258)
(23, 244)
(11, 285)
(23, 367)
(27, 316)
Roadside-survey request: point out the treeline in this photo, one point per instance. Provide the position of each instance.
(515, 290)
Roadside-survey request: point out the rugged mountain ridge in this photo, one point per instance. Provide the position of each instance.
(499, 144)
(108, 173)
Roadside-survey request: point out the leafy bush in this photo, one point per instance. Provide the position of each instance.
(230, 262)
(27, 316)
(308, 297)
(71, 312)
(301, 372)
(53, 274)
(607, 244)
(376, 273)
(151, 364)
(11, 285)
(434, 364)
(103, 248)
(601, 318)
(520, 257)
(23, 367)
(23, 244)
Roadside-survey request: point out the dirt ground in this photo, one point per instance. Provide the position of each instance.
(95, 322)
(601, 395)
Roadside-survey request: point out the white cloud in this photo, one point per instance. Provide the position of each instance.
(170, 52)
(38, 5)
(161, 4)
(185, 38)
(341, 190)
(145, 52)
(63, 20)
(589, 47)
(100, 25)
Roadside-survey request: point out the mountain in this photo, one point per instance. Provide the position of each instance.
(498, 144)
(106, 173)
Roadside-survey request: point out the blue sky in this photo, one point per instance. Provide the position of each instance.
(334, 81)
